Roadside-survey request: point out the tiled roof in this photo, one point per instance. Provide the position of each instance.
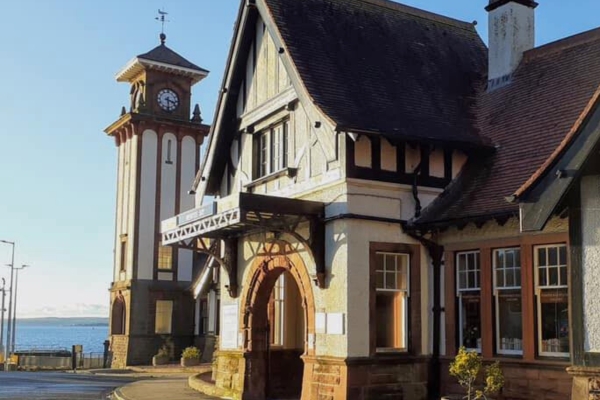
(163, 54)
(379, 66)
(527, 120)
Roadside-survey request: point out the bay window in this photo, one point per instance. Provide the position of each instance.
(392, 292)
(551, 289)
(468, 289)
(507, 293)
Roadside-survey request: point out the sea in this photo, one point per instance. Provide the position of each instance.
(60, 333)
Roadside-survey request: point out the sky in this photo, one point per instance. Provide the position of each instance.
(58, 93)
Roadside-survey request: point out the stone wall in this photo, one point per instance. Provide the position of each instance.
(543, 381)
(118, 348)
(229, 374)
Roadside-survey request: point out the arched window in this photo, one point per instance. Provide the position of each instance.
(118, 316)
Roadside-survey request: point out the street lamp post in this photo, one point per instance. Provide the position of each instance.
(10, 292)
(2, 316)
(14, 323)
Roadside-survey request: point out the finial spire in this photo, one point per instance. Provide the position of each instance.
(197, 116)
(162, 18)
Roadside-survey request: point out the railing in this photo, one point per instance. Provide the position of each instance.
(59, 358)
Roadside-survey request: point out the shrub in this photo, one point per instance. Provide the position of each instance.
(466, 367)
(191, 352)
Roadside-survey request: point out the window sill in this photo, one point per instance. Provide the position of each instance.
(390, 350)
(289, 172)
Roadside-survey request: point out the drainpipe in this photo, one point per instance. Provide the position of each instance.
(436, 253)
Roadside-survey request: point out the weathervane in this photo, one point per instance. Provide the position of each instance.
(161, 17)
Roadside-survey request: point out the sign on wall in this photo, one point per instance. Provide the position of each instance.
(229, 327)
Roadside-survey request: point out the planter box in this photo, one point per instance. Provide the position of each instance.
(160, 360)
(189, 362)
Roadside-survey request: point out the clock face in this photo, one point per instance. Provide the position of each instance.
(167, 100)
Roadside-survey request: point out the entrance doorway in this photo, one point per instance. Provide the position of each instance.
(286, 330)
(278, 321)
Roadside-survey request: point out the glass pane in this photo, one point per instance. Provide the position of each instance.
(462, 280)
(510, 278)
(390, 280)
(477, 280)
(517, 258)
(543, 279)
(389, 319)
(542, 256)
(471, 322)
(379, 279)
(552, 256)
(390, 262)
(553, 271)
(379, 262)
(499, 259)
(517, 272)
(499, 278)
(563, 255)
(401, 280)
(510, 259)
(460, 262)
(563, 276)
(554, 321)
(510, 329)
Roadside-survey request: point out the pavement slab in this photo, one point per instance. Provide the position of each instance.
(175, 388)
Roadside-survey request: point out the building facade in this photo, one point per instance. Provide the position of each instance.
(158, 149)
(381, 189)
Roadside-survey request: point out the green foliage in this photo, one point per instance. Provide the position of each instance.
(466, 367)
(191, 352)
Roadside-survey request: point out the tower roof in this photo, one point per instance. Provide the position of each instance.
(164, 59)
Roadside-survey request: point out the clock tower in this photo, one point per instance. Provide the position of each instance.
(158, 145)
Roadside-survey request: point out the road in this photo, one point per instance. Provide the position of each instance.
(58, 385)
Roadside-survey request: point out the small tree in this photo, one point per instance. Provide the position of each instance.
(466, 367)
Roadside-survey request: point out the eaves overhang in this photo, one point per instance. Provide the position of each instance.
(134, 67)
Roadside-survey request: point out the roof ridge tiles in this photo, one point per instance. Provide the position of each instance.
(563, 44)
(420, 13)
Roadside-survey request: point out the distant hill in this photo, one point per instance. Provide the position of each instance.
(75, 321)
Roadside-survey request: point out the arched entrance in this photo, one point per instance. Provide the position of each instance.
(278, 322)
(118, 316)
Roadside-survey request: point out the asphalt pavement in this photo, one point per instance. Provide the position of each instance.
(58, 385)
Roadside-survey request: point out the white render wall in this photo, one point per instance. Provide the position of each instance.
(590, 227)
(186, 201)
(147, 205)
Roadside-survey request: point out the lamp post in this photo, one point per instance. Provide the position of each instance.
(12, 265)
(14, 323)
(2, 316)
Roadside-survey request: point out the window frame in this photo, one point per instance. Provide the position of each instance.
(468, 291)
(272, 149)
(414, 302)
(404, 293)
(161, 257)
(496, 293)
(538, 289)
(169, 331)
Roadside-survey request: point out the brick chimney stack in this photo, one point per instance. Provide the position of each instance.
(511, 33)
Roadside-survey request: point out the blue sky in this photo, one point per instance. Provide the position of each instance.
(58, 168)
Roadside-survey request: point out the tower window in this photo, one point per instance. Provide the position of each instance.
(164, 316)
(165, 257)
(123, 258)
(169, 152)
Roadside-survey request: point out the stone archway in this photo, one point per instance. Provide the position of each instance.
(118, 316)
(279, 257)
